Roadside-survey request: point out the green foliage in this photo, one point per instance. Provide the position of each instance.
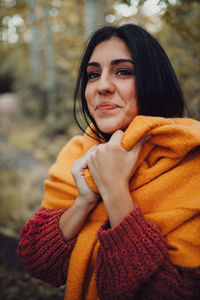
(183, 47)
(57, 35)
(16, 187)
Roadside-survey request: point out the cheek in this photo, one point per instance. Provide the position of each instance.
(132, 108)
(128, 90)
(89, 93)
(132, 99)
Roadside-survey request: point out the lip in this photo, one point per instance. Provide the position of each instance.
(106, 106)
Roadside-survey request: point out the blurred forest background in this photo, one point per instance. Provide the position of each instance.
(40, 46)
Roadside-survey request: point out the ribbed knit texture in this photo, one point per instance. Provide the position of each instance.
(132, 263)
(42, 249)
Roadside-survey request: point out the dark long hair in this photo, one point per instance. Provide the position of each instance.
(158, 89)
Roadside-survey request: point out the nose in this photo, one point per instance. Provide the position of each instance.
(105, 84)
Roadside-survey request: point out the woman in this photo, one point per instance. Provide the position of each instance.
(120, 216)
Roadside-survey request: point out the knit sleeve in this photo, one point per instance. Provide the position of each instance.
(42, 249)
(132, 263)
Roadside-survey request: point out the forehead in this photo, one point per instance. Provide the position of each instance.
(111, 49)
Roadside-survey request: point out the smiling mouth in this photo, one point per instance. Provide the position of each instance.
(106, 107)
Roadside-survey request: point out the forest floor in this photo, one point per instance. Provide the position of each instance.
(15, 282)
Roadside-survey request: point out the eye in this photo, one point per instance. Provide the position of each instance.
(92, 75)
(124, 72)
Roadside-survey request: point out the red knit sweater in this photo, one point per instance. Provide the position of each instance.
(132, 260)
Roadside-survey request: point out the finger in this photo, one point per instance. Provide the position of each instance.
(138, 146)
(116, 138)
(81, 163)
(91, 150)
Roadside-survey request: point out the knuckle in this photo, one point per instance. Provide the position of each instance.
(113, 147)
(91, 157)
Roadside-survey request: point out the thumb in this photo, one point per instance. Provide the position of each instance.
(138, 146)
(116, 137)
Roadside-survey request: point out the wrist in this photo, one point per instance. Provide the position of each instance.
(113, 192)
(84, 205)
(118, 204)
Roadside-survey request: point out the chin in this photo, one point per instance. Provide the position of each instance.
(109, 132)
(109, 129)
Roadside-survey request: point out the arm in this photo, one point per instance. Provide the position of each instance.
(132, 259)
(48, 239)
(42, 249)
(74, 218)
(132, 262)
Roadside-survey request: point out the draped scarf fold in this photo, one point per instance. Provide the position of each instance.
(165, 183)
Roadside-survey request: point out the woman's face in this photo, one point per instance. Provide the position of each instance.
(110, 92)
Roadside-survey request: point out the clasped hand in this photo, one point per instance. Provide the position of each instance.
(110, 165)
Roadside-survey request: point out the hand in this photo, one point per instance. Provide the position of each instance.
(111, 165)
(86, 195)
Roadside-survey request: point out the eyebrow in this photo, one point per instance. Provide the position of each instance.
(114, 62)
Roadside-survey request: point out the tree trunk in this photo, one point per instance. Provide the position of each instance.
(35, 59)
(49, 58)
(95, 14)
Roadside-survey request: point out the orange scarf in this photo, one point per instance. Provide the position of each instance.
(165, 183)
